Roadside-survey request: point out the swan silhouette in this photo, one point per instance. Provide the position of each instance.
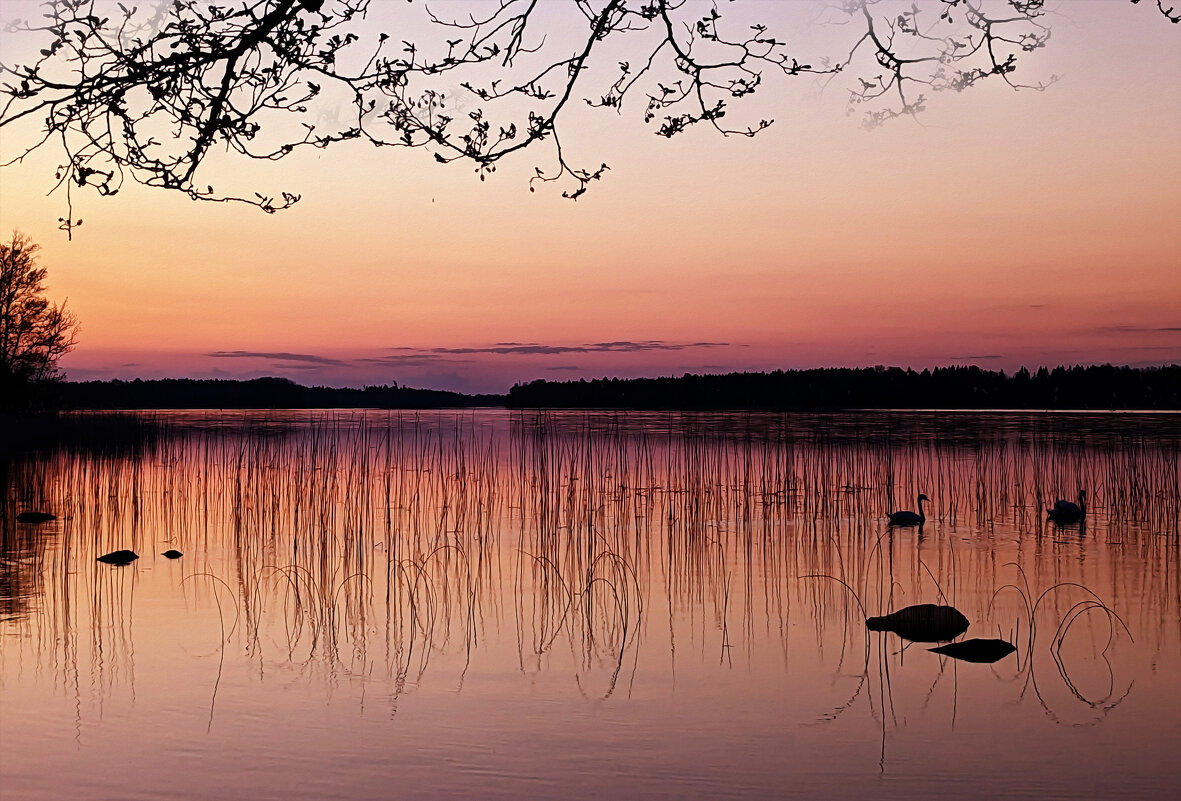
(909, 518)
(1067, 512)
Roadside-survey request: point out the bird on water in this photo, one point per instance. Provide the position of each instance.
(909, 518)
(1067, 512)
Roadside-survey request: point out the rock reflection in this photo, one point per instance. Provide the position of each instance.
(981, 651)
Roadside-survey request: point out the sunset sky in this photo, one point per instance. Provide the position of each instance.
(1000, 228)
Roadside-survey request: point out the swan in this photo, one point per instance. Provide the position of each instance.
(1067, 512)
(908, 518)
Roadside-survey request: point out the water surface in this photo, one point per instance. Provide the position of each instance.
(508, 605)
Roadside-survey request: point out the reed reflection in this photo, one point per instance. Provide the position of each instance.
(380, 549)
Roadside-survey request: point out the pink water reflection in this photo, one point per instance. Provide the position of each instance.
(495, 605)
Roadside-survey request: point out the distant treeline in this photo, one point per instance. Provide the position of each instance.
(259, 393)
(1094, 387)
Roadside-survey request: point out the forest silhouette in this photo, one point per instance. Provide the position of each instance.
(1093, 387)
(258, 393)
(1098, 387)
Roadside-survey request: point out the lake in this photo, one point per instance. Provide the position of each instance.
(500, 604)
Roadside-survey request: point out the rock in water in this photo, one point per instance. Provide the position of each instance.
(119, 557)
(922, 623)
(172, 553)
(35, 517)
(983, 651)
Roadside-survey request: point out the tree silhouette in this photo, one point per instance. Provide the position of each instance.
(146, 95)
(34, 333)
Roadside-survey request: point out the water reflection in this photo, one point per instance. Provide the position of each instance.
(375, 555)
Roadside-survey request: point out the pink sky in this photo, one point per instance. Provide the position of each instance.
(1001, 228)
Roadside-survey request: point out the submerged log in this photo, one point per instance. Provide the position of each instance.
(123, 557)
(922, 623)
(172, 553)
(35, 517)
(982, 651)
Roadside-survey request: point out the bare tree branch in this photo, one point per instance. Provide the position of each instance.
(149, 95)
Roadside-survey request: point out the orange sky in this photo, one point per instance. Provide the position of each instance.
(1002, 228)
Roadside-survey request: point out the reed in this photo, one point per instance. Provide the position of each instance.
(364, 543)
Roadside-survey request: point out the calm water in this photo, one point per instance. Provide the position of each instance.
(498, 605)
